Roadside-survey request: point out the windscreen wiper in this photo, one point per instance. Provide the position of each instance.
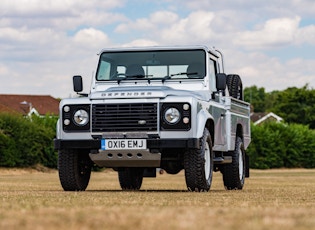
(177, 74)
(131, 77)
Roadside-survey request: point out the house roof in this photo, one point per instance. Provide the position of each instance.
(258, 118)
(4, 108)
(43, 104)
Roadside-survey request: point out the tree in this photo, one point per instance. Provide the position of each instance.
(256, 97)
(296, 105)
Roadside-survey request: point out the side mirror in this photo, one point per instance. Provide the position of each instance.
(77, 84)
(221, 81)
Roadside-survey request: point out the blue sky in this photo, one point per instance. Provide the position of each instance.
(270, 43)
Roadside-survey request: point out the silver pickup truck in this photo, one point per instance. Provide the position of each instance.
(149, 108)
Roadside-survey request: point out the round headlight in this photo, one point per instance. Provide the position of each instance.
(172, 115)
(81, 117)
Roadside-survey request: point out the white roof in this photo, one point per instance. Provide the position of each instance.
(149, 48)
(271, 114)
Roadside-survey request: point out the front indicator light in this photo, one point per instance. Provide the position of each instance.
(185, 120)
(66, 109)
(66, 122)
(185, 107)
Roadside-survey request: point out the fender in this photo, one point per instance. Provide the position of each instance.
(202, 117)
(58, 135)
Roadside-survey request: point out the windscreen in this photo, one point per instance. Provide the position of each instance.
(170, 64)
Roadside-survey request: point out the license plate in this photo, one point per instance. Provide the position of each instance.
(119, 144)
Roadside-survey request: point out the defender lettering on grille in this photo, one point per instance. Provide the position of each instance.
(129, 94)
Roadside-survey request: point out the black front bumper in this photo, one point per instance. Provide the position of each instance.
(191, 143)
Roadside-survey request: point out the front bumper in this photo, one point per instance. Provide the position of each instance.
(190, 143)
(149, 157)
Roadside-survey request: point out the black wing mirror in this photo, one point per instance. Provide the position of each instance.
(77, 84)
(221, 81)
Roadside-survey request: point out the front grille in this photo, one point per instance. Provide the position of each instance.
(124, 117)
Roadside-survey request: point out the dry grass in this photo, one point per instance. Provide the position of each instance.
(273, 199)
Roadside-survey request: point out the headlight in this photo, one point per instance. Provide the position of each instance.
(81, 117)
(175, 116)
(172, 115)
(76, 118)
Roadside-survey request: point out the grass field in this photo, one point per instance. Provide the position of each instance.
(272, 199)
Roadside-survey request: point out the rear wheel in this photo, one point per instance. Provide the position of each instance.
(234, 173)
(74, 169)
(198, 164)
(130, 178)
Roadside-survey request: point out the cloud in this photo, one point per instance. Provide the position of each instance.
(152, 23)
(196, 26)
(24, 35)
(59, 14)
(165, 27)
(271, 73)
(49, 42)
(4, 70)
(140, 42)
(36, 8)
(262, 9)
(306, 35)
(274, 33)
(91, 38)
(163, 17)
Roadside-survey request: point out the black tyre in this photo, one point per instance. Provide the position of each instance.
(235, 86)
(130, 178)
(172, 167)
(74, 169)
(198, 164)
(234, 173)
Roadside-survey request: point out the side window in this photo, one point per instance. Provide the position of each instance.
(212, 79)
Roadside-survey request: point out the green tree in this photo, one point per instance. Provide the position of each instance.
(256, 97)
(296, 105)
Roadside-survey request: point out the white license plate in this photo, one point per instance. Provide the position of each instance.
(119, 144)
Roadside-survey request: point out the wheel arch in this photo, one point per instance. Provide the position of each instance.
(210, 127)
(205, 120)
(239, 131)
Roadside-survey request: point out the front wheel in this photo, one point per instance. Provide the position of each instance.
(234, 173)
(74, 169)
(198, 164)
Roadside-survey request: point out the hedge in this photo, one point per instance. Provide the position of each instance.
(277, 145)
(27, 141)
